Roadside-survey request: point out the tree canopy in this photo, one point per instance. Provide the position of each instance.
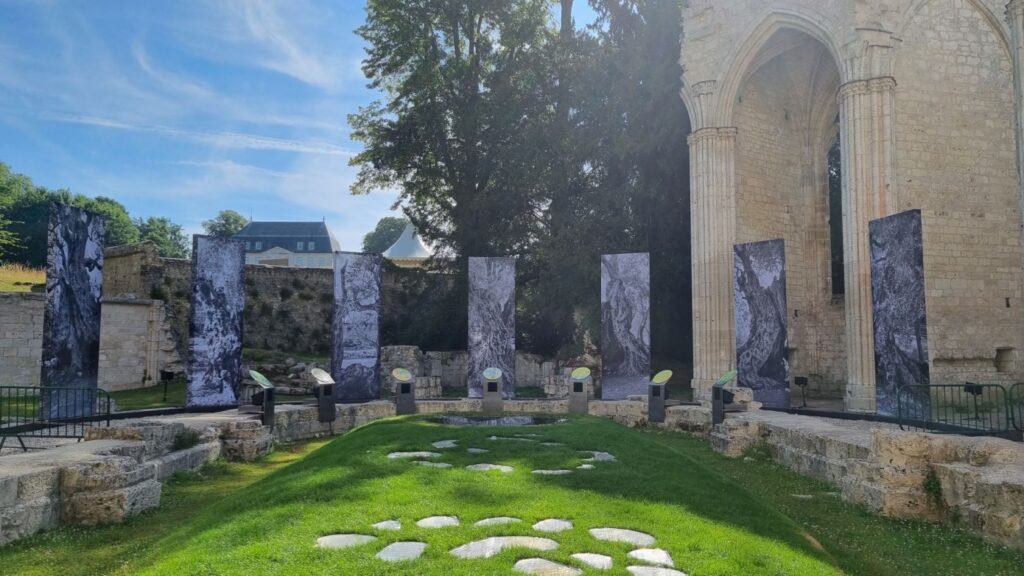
(507, 132)
(387, 231)
(226, 224)
(25, 212)
(169, 238)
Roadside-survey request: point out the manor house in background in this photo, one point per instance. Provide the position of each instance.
(296, 244)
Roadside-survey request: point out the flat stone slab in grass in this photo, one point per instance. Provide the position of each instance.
(497, 521)
(596, 561)
(477, 451)
(495, 545)
(408, 455)
(552, 525)
(438, 522)
(388, 525)
(541, 567)
(552, 472)
(489, 467)
(494, 438)
(444, 444)
(585, 467)
(551, 444)
(599, 456)
(621, 535)
(653, 571)
(655, 556)
(431, 464)
(339, 541)
(400, 551)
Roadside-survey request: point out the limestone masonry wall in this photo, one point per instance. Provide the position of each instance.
(135, 342)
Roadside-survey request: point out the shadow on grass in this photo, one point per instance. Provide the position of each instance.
(352, 469)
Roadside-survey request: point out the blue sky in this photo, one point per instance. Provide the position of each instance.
(184, 108)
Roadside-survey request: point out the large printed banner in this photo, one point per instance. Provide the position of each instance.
(71, 316)
(898, 303)
(625, 325)
(355, 328)
(762, 355)
(492, 322)
(215, 326)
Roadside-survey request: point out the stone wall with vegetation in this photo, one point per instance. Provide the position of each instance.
(21, 338)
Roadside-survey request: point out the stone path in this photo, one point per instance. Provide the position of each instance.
(339, 541)
(653, 571)
(599, 456)
(496, 521)
(431, 464)
(495, 545)
(410, 455)
(596, 561)
(477, 451)
(444, 444)
(542, 567)
(489, 467)
(401, 551)
(552, 472)
(438, 522)
(655, 556)
(388, 525)
(553, 525)
(621, 535)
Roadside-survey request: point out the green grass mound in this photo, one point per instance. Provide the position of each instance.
(707, 524)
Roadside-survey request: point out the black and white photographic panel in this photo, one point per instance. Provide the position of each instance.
(355, 327)
(762, 356)
(492, 322)
(625, 325)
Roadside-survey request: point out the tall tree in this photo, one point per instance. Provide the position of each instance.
(226, 224)
(120, 228)
(388, 230)
(468, 92)
(169, 238)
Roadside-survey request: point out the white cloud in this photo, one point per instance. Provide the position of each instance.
(219, 139)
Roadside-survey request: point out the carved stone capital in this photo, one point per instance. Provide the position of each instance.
(706, 134)
(869, 86)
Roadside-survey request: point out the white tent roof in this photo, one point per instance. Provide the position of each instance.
(408, 246)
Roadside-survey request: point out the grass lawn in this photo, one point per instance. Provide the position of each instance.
(715, 516)
(152, 397)
(18, 278)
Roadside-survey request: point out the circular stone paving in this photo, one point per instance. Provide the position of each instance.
(596, 561)
(444, 444)
(585, 467)
(552, 472)
(497, 521)
(339, 541)
(438, 522)
(552, 525)
(621, 535)
(400, 551)
(655, 556)
(541, 567)
(653, 571)
(495, 545)
(477, 451)
(409, 455)
(599, 456)
(388, 525)
(431, 464)
(489, 467)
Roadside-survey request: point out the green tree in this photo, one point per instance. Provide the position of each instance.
(169, 238)
(226, 224)
(388, 230)
(468, 88)
(120, 229)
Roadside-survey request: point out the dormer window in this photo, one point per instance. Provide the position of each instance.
(300, 246)
(259, 245)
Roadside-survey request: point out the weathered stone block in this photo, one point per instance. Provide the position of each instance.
(115, 505)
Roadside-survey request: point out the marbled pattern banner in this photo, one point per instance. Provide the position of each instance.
(898, 303)
(492, 322)
(762, 355)
(625, 325)
(71, 316)
(355, 328)
(215, 326)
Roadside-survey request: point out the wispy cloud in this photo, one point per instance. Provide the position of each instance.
(219, 139)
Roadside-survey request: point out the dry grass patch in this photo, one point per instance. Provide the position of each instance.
(20, 278)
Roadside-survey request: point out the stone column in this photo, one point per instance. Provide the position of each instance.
(713, 214)
(1015, 19)
(868, 157)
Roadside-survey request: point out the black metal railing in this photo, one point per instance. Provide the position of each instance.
(44, 412)
(969, 409)
(1017, 406)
